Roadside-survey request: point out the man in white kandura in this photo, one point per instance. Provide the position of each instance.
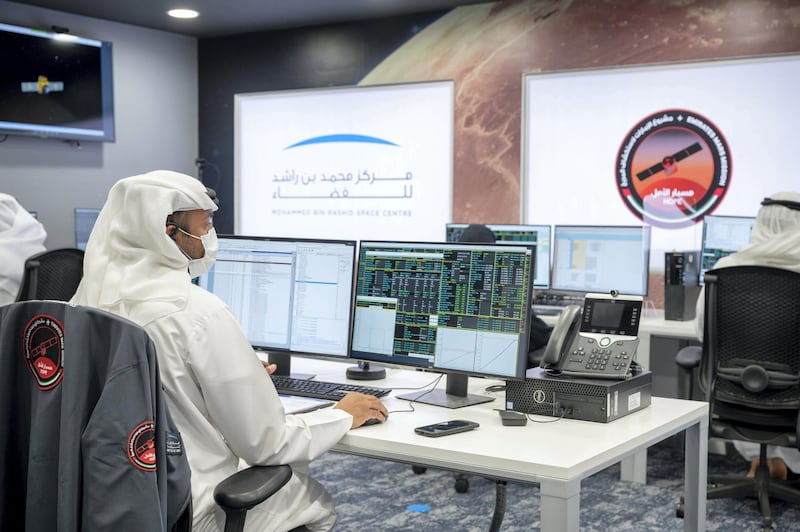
(152, 236)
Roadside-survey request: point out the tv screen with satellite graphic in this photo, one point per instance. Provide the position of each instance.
(55, 85)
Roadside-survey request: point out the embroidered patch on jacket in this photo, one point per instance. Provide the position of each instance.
(142, 446)
(174, 444)
(43, 344)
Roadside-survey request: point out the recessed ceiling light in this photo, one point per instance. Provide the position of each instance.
(183, 13)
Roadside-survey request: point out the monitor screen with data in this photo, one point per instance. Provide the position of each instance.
(84, 223)
(292, 296)
(524, 234)
(460, 308)
(723, 235)
(593, 258)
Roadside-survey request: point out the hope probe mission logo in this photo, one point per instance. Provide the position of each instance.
(142, 446)
(43, 345)
(673, 168)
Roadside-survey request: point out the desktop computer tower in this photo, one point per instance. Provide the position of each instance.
(582, 398)
(681, 284)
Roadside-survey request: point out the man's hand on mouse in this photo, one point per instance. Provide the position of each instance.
(271, 368)
(362, 407)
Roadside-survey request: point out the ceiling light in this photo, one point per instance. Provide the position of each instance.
(60, 33)
(65, 37)
(183, 13)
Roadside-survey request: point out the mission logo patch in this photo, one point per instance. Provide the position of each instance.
(672, 168)
(142, 446)
(43, 345)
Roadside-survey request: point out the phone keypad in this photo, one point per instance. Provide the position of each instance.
(587, 356)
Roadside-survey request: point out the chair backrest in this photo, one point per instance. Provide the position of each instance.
(53, 274)
(86, 440)
(751, 342)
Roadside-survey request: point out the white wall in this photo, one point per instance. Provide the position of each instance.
(156, 112)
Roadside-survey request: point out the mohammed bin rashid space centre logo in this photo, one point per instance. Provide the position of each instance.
(672, 168)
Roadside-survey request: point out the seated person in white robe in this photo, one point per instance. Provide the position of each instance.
(153, 235)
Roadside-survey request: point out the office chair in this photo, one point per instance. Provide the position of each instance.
(89, 444)
(750, 372)
(53, 274)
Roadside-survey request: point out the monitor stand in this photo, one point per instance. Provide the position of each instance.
(365, 372)
(284, 362)
(454, 396)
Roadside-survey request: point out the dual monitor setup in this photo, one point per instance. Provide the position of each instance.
(585, 258)
(459, 309)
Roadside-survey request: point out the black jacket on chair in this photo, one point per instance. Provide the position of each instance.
(86, 440)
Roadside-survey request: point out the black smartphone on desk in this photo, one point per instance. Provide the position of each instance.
(446, 427)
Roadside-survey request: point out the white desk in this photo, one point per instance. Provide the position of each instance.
(557, 456)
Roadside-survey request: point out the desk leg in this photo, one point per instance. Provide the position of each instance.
(695, 477)
(634, 468)
(560, 505)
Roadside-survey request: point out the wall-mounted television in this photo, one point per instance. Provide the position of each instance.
(55, 85)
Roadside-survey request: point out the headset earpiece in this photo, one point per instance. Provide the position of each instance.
(171, 223)
(213, 195)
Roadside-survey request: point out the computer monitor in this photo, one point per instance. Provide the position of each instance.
(525, 234)
(593, 258)
(291, 296)
(723, 235)
(84, 223)
(459, 308)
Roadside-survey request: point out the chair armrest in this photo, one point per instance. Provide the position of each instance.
(251, 486)
(689, 357)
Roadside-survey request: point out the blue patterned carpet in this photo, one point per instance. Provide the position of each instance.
(375, 495)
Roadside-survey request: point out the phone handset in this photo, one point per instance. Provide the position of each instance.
(564, 332)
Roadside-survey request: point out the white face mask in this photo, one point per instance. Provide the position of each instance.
(198, 267)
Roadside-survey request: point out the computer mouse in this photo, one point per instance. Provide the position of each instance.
(371, 421)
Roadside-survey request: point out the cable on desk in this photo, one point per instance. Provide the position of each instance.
(563, 413)
(556, 405)
(549, 420)
(432, 385)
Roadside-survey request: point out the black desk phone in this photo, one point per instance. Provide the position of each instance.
(596, 341)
